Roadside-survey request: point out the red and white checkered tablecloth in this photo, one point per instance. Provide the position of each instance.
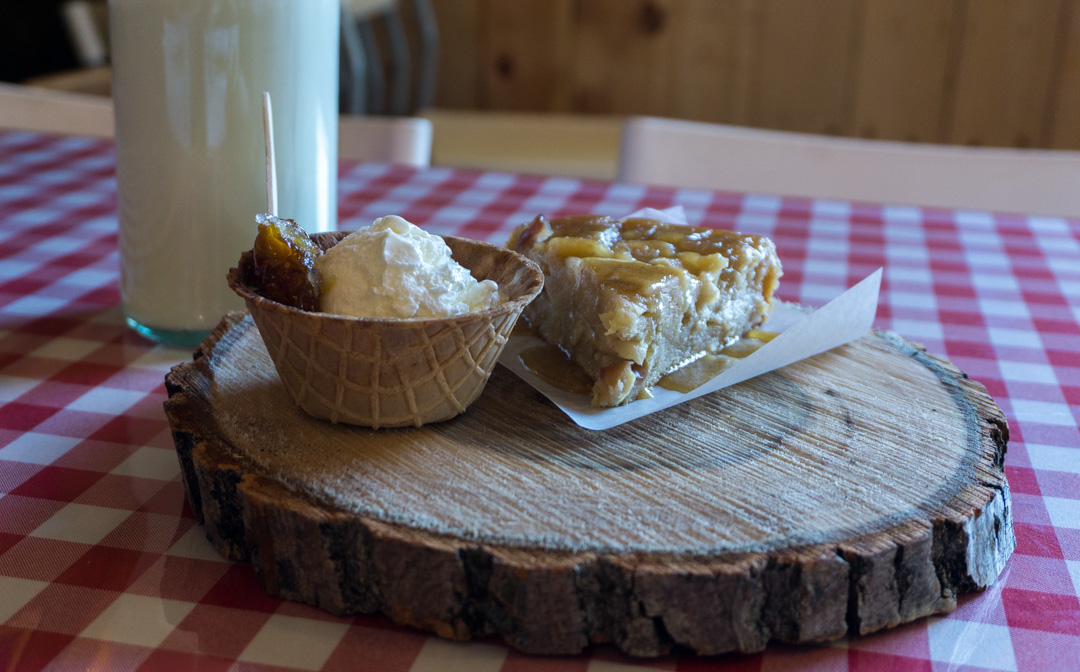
(103, 567)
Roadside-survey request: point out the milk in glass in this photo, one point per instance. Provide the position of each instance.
(188, 77)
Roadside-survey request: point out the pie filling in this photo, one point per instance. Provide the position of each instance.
(632, 300)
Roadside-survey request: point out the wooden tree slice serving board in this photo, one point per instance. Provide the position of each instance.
(849, 492)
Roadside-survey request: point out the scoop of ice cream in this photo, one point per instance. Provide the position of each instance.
(395, 269)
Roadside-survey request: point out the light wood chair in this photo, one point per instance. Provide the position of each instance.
(93, 81)
(699, 155)
(569, 145)
(33, 109)
(405, 140)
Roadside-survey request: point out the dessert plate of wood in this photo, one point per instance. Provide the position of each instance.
(846, 493)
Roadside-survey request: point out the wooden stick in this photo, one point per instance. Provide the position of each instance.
(271, 165)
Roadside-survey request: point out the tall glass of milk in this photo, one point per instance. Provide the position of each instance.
(188, 77)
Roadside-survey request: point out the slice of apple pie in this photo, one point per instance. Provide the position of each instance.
(631, 300)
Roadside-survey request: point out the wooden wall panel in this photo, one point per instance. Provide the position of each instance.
(802, 75)
(1004, 72)
(623, 55)
(527, 54)
(1063, 122)
(459, 75)
(900, 86)
(991, 72)
(711, 60)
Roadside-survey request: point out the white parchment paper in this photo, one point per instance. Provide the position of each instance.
(802, 334)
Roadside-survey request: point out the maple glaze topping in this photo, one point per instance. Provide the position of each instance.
(620, 235)
(703, 369)
(666, 248)
(555, 368)
(696, 373)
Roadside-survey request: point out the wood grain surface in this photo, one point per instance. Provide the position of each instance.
(992, 72)
(846, 493)
(898, 93)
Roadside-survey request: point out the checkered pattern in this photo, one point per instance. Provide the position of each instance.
(102, 565)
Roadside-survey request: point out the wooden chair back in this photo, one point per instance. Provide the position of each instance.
(710, 156)
(570, 145)
(33, 109)
(405, 140)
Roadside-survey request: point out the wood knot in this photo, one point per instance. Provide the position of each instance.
(652, 18)
(504, 66)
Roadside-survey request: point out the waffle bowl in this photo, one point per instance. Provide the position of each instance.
(392, 372)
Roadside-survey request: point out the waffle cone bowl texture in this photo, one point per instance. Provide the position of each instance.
(392, 372)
